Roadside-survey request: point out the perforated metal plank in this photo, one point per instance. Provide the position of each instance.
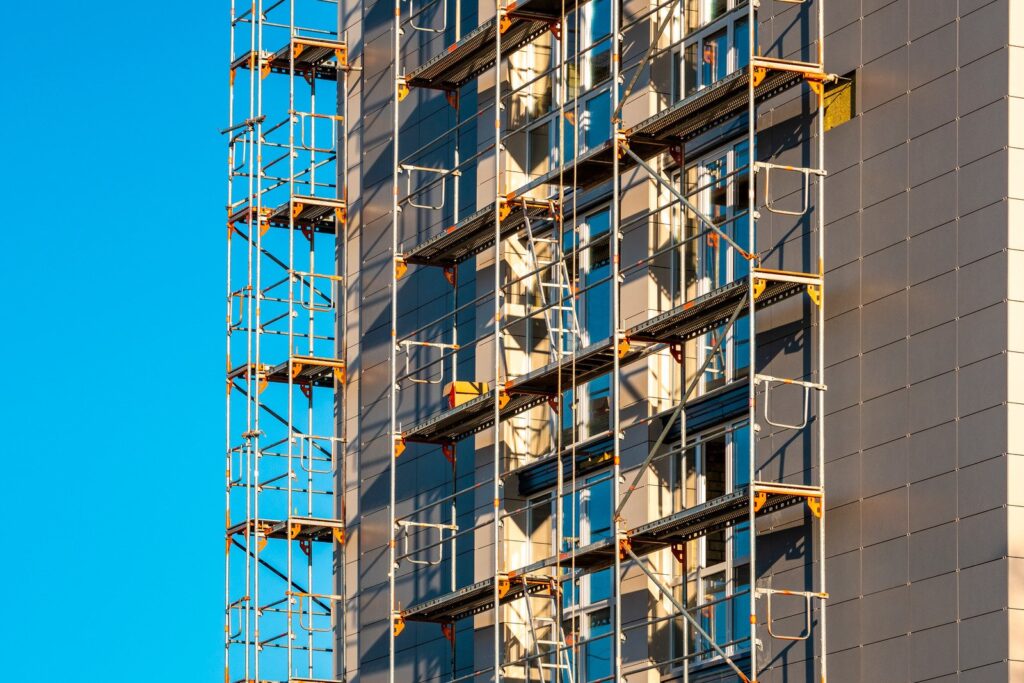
(467, 419)
(708, 312)
(465, 602)
(472, 235)
(294, 528)
(474, 54)
(314, 58)
(712, 106)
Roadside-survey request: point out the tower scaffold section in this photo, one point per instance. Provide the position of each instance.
(286, 366)
(564, 434)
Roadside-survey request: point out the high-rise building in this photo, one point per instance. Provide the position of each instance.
(624, 341)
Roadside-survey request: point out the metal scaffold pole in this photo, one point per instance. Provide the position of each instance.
(282, 441)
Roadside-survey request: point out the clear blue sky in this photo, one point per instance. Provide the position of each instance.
(112, 337)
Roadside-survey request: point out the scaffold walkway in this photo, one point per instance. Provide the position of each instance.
(682, 323)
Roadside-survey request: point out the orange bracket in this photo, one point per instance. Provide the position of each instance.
(403, 90)
(625, 545)
(760, 498)
(341, 54)
(293, 531)
(398, 624)
(451, 274)
(504, 208)
(503, 400)
(504, 22)
(297, 208)
(503, 586)
(399, 446)
(623, 347)
(401, 267)
(453, 98)
(815, 504)
(339, 536)
(341, 214)
(339, 375)
(297, 49)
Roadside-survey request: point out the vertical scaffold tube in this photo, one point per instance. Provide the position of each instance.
(752, 342)
(616, 393)
(499, 11)
(393, 351)
(820, 416)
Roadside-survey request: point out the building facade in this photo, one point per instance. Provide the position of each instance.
(585, 341)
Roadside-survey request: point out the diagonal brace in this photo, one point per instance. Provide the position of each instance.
(666, 20)
(678, 411)
(689, 617)
(690, 205)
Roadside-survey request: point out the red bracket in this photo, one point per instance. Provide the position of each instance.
(306, 546)
(453, 98)
(448, 450)
(553, 404)
(449, 632)
(556, 29)
(677, 351)
(676, 152)
(307, 389)
(678, 551)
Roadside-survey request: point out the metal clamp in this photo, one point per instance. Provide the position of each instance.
(806, 186)
(807, 386)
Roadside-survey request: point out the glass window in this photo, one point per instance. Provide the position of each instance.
(598, 650)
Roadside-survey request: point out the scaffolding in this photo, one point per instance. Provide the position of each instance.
(542, 283)
(286, 368)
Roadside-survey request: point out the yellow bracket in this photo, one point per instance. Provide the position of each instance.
(624, 347)
(759, 287)
(571, 118)
(293, 531)
(814, 503)
(339, 536)
(403, 90)
(296, 369)
(503, 586)
(231, 77)
(401, 267)
(399, 446)
(297, 209)
(341, 213)
(814, 291)
(339, 375)
(760, 498)
(261, 543)
(399, 624)
(341, 54)
(504, 23)
(265, 69)
(297, 49)
(503, 400)
(757, 75)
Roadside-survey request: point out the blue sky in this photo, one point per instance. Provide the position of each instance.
(112, 403)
